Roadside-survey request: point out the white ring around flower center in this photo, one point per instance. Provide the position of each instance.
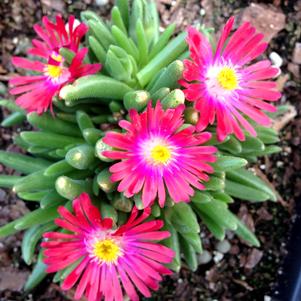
(158, 151)
(103, 248)
(222, 80)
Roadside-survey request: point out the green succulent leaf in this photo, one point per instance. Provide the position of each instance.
(104, 181)
(245, 192)
(31, 238)
(183, 218)
(162, 41)
(170, 77)
(136, 100)
(108, 211)
(123, 6)
(69, 188)
(171, 52)
(247, 178)
(189, 254)
(37, 275)
(117, 19)
(245, 233)
(34, 182)
(47, 123)
(33, 196)
(225, 163)
(37, 217)
(13, 119)
(49, 140)
(173, 243)
(94, 88)
(22, 163)
(218, 212)
(58, 168)
(81, 157)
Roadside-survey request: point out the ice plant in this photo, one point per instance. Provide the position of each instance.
(224, 85)
(108, 259)
(160, 156)
(37, 91)
(157, 152)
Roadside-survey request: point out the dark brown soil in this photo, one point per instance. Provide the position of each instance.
(242, 273)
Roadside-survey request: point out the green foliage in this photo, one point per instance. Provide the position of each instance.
(22, 163)
(136, 100)
(37, 275)
(64, 154)
(49, 123)
(13, 119)
(31, 238)
(173, 99)
(94, 88)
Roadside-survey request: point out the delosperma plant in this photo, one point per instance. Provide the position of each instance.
(138, 138)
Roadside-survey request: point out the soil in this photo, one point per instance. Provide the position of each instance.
(235, 271)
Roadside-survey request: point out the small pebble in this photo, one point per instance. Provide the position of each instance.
(267, 298)
(101, 2)
(202, 12)
(223, 246)
(218, 257)
(230, 234)
(22, 46)
(287, 149)
(161, 29)
(276, 59)
(205, 257)
(2, 195)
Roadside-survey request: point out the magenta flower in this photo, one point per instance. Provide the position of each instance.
(37, 91)
(156, 152)
(224, 86)
(107, 259)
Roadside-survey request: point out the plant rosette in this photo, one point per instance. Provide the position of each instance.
(139, 138)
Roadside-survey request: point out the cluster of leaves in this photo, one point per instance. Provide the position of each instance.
(64, 154)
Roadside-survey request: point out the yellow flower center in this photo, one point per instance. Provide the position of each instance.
(107, 250)
(160, 154)
(54, 71)
(57, 57)
(227, 78)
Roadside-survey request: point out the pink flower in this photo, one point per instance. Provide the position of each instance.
(222, 83)
(107, 259)
(37, 91)
(156, 152)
